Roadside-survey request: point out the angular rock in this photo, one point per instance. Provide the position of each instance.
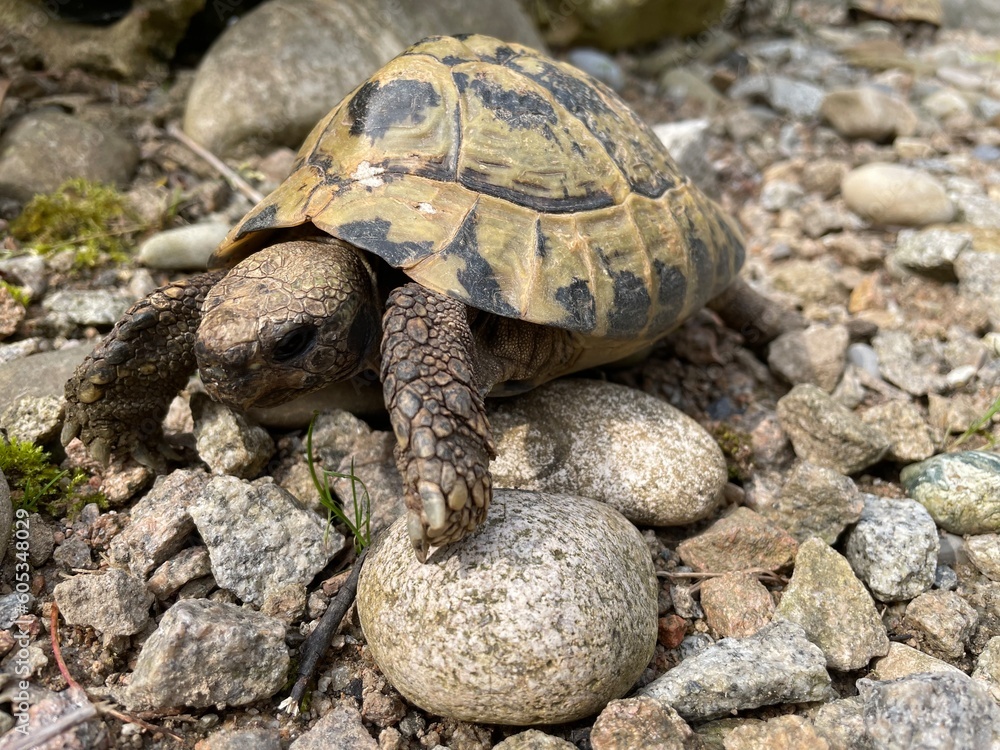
(41, 540)
(785, 95)
(778, 195)
(268, 79)
(242, 739)
(73, 554)
(160, 523)
(185, 566)
(649, 461)
(960, 490)
(112, 603)
(789, 732)
(182, 248)
(894, 548)
(815, 355)
(815, 501)
(833, 607)
(34, 419)
(687, 141)
(825, 433)
(930, 252)
(12, 313)
(577, 562)
(736, 604)
(903, 661)
(942, 623)
(890, 194)
(45, 148)
(929, 711)
(373, 461)
(842, 724)
(341, 729)
(43, 374)
(259, 537)
(809, 282)
(85, 307)
(984, 553)
(987, 668)
(639, 722)
(740, 541)
(908, 363)
(904, 425)
(868, 113)
(228, 441)
(775, 665)
(823, 176)
(978, 210)
(206, 652)
(979, 278)
(534, 740)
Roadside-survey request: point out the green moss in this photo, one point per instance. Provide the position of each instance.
(92, 219)
(20, 294)
(737, 447)
(36, 483)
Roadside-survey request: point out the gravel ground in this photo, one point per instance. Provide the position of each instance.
(826, 545)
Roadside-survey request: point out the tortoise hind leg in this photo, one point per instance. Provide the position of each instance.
(436, 407)
(118, 396)
(760, 320)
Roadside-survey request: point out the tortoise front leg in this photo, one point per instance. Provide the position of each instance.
(435, 403)
(119, 395)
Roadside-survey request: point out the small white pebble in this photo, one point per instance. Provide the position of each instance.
(992, 341)
(960, 376)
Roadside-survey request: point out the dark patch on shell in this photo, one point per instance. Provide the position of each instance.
(376, 108)
(373, 235)
(262, 218)
(631, 305)
(541, 241)
(671, 295)
(477, 277)
(521, 110)
(580, 305)
(589, 201)
(580, 98)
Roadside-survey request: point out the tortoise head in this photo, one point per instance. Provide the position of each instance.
(287, 320)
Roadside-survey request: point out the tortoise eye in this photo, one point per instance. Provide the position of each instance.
(294, 343)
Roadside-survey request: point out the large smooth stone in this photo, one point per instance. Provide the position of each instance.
(45, 148)
(890, 194)
(648, 460)
(271, 77)
(542, 616)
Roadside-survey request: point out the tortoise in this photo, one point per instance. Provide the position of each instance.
(475, 219)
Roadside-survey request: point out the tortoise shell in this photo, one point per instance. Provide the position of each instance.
(517, 184)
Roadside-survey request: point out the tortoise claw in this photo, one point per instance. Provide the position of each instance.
(100, 451)
(70, 430)
(419, 540)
